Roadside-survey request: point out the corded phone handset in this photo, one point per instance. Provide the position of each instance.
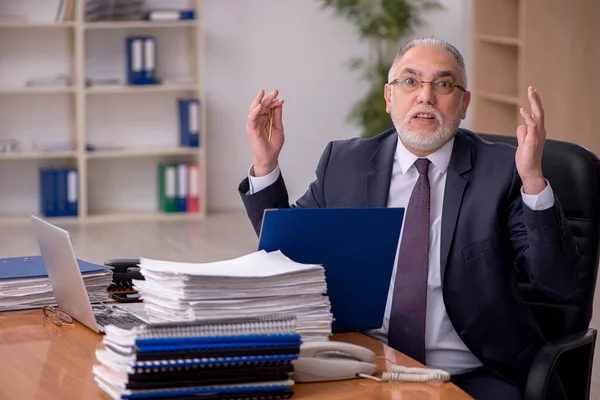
(124, 271)
(330, 361)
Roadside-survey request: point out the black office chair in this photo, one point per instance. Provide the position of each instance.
(574, 174)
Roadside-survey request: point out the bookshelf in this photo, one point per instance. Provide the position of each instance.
(132, 128)
(550, 45)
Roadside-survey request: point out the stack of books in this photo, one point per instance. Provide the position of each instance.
(248, 358)
(24, 282)
(255, 285)
(114, 10)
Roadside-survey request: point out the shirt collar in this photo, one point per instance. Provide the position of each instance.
(440, 158)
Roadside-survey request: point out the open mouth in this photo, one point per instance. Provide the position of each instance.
(424, 116)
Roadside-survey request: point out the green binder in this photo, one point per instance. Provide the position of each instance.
(167, 187)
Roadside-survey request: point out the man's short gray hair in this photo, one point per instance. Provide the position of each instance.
(430, 41)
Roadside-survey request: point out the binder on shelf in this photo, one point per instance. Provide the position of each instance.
(167, 14)
(61, 193)
(135, 62)
(193, 199)
(47, 192)
(189, 130)
(167, 187)
(182, 188)
(149, 61)
(72, 192)
(58, 192)
(141, 60)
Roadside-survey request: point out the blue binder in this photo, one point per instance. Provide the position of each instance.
(72, 195)
(182, 188)
(47, 192)
(60, 192)
(141, 60)
(189, 130)
(357, 248)
(135, 60)
(149, 61)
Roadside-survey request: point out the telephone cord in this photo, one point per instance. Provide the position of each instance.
(410, 374)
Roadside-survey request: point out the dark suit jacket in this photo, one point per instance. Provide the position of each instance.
(487, 232)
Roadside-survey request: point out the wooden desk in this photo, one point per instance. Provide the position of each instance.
(41, 361)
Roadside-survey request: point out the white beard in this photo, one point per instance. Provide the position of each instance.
(432, 141)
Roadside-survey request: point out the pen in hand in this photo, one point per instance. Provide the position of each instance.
(271, 113)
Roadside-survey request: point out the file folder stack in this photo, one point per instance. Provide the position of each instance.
(255, 285)
(248, 358)
(114, 10)
(59, 192)
(179, 187)
(141, 60)
(24, 283)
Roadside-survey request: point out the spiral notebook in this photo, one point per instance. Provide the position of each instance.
(220, 359)
(250, 391)
(237, 330)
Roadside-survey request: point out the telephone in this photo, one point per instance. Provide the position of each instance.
(330, 361)
(124, 271)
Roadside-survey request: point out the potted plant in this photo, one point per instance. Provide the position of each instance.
(383, 23)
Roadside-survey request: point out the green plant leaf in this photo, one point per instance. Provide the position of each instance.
(384, 23)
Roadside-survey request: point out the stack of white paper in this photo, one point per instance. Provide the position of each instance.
(254, 285)
(23, 293)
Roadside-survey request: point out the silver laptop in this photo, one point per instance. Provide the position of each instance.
(67, 282)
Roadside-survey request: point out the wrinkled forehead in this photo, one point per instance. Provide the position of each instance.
(428, 62)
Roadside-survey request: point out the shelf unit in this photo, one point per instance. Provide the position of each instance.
(552, 46)
(134, 127)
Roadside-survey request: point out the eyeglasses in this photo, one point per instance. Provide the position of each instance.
(441, 86)
(57, 316)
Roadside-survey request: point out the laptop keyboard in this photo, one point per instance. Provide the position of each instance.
(107, 315)
(104, 320)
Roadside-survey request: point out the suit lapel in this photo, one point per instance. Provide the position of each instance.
(460, 162)
(379, 177)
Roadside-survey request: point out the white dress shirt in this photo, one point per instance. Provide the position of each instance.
(444, 348)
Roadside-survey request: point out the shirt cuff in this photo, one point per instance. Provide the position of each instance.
(541, 201)
(259, 183)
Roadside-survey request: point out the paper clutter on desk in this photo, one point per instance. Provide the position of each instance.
(255, 285)
(247, 358)
(24, 282)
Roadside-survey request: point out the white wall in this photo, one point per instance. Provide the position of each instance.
(300, 49)
(453, 24)
(293, 45)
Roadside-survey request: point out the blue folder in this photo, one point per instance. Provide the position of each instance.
(34, 267)
(357, 248)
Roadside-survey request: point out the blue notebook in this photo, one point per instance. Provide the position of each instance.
(357, 248)
(34, 267)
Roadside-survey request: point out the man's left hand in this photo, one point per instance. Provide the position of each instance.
(531, 138)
